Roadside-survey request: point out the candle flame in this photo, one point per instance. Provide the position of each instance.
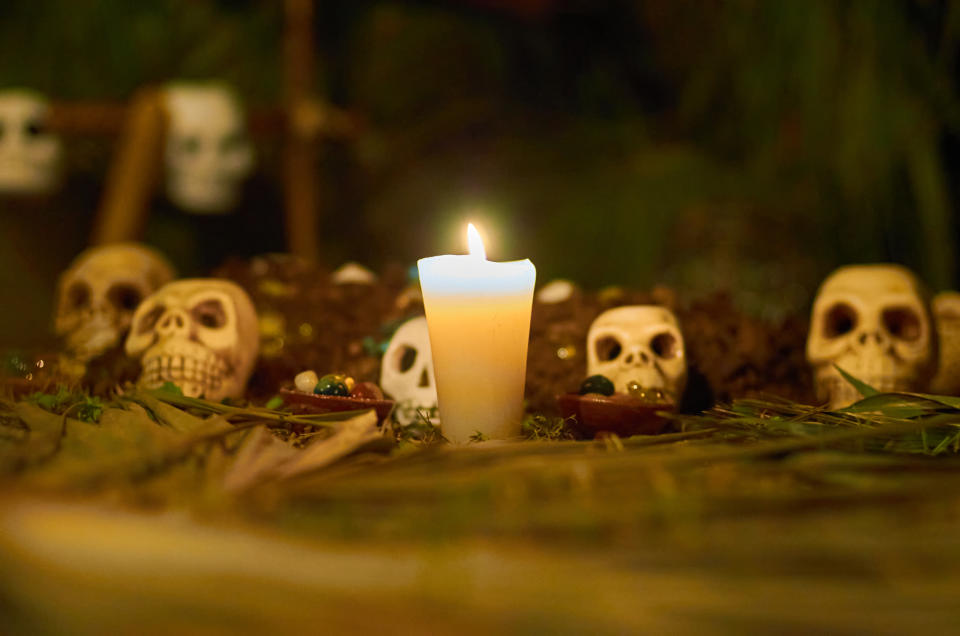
(475, 243)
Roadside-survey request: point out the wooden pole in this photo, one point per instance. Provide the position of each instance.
(300, 152)
(133, 173)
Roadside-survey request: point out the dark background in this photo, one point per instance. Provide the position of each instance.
(742, 145)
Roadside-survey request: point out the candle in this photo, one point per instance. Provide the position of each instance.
(478, 317)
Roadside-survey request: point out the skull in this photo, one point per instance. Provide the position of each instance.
(946, 315)
(200, 334)
(641, 344)
(873, 322)
(207, 150)
(99, 292)
(406, 373)
(29, 155)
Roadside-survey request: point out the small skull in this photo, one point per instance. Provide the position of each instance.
(873, 322)
(639, 344)
(946, 316)
(406, 373)
(29, 154)
(200, 334)
(208, 153)
(99, 292)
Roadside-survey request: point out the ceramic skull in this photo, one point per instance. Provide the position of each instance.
(208, 154)
(29, 154)
(200, 334)
(406, 372)
(946, 317)
(873, 322)
(97, 295)
(638, 343)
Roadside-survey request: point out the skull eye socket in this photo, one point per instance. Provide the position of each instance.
(404, 358)
(607, 348)
(841, 319)
(149, 320)
(210, 314)
(665, 345)
(232, 142)
(124, 297)
(902, 323)
(34, 128)
(78, 296)
(190, 145)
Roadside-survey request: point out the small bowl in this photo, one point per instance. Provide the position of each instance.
(624, 415)
(315, 403)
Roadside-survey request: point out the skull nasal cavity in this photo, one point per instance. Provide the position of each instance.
(639, 357)
(841, 319)
(608, 348)
(424, 379)
(172, 321)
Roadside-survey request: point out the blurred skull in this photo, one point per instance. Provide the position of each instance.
(29, 155)
(97, 295)
(873, 322)
(406, 373)
(208, 153)
(200, 334)
(946, 316)
(639, 344)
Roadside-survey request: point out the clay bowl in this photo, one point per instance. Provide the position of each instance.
(624, 415)
(312, 403)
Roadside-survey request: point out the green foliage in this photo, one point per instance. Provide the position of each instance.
(543, 428)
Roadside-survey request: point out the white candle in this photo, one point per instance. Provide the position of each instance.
(478, 316)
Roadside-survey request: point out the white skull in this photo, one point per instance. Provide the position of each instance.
(208, 153)
(641, 344)
(29, 155)
(946, 316)
(97, 295)
(406, 373)
(871, 321)
(200, 334)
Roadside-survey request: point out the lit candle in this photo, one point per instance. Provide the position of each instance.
(478, 316)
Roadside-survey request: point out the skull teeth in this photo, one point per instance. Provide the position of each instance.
(195, 376)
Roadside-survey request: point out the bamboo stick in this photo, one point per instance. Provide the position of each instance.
(300, 154)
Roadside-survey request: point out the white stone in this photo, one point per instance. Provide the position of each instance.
(29, 155)
(306, 381)
(556, 291)
(638, 343)
(873, 322)
(208, 153)
(200, 334)
(406, 371)
(353, 274)
(98, 293)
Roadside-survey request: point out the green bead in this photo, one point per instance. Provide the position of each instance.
(597, 384)
(332, 384)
